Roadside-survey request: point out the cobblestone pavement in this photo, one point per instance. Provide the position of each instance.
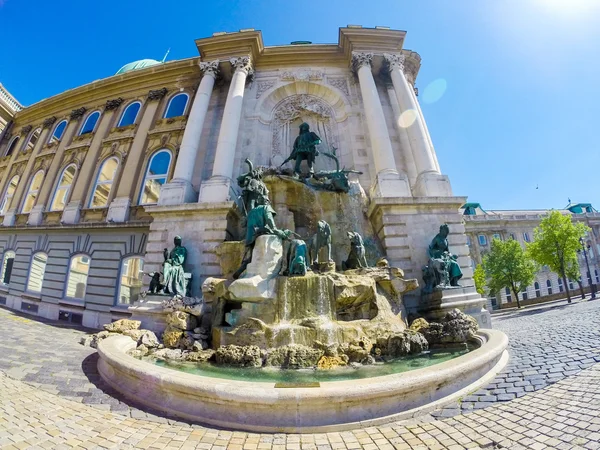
(554, 352)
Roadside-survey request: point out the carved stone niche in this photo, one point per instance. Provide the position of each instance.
(287, 117)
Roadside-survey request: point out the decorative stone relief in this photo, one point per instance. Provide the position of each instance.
(42, 162)
(157, 94)
(210, 68)
(264, 86)
(302, 75)
(113, 104)
(361, 59)
(49, 122)
(26, 129)
(341, 84)
(77, 113)
(294, 110)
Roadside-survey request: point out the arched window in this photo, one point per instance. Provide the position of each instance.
(7, 265)
(130, 114)
(32, 193)
(36, 272)
(90, 123)
(79, 268)
(8, 195)
(549, 286)
(538, 293)
(156, 176)
(33, 138)
(524, 295)
(104, 182)
(12, 146)
(61, 195)
(571, 284)
(176, 106)
(508, 296)
(59, 130)
(560, 285)
(132, 271)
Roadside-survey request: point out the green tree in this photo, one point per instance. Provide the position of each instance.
(574, 273)
(508, 266)
(555, 244)
(480, 279)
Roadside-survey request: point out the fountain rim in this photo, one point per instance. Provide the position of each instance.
(238, 404)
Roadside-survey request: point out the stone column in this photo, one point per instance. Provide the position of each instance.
(216, 189)
(388, 183)
(37, 213)
(9, 215)
(411, 168)
(430, 183)
(427, 135)
(85, 178)
(179, 189)
(118, 210)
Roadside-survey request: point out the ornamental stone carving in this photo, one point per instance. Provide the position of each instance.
(210, 68)
(77, 113)
(392, 61)
(49, 122)
(242, 63)
(113, 104)
(26, 129)
(264, 86)
(302, 75)
(361, 59)
(157, 94)
(341, 84)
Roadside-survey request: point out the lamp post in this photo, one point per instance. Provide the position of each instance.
(587, 265)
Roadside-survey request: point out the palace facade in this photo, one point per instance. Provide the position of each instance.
(97, 181)
(482, 226)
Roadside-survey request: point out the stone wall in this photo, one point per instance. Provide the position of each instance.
(106, 247)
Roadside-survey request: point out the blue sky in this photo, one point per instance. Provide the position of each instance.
(520, 108)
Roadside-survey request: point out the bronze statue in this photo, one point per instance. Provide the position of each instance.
(322, 238)
(173, 273)
(260, 220)
(442, 269)
(304, 149)
(252, 186)
(357, 257)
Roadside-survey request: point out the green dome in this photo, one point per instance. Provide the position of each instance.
(135, 65)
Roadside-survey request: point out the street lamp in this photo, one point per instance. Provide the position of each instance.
(587, 265)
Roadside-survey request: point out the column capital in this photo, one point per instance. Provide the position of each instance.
(360, 59)
(210, 67)
(26, 129)
(393, 61)
(242, 63)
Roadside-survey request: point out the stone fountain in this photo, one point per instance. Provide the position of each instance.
(305, 285)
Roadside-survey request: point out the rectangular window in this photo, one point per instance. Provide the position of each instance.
(7, 266)
(526, 237)
(497, 236)
(482, 240)
(468, 241)
(512, 236)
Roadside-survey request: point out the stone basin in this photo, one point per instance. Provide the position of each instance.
(332, 406)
